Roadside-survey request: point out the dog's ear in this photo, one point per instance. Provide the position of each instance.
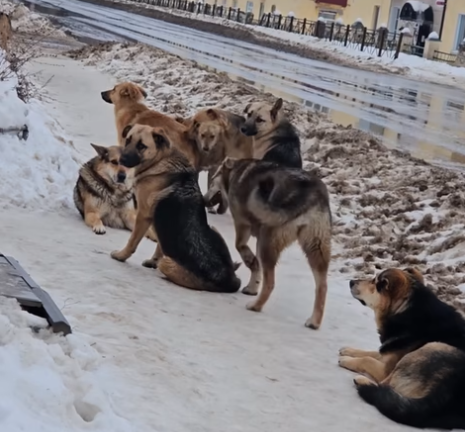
(382, 284)
(276, 108)
(126, 130)
(415, 274)
(195, 125)
(101, 151)
(212, 114)
(247, 107)
(160, 141)
(143, 92)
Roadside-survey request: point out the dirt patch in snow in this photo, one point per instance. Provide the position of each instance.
(390, 209)
(240, 32)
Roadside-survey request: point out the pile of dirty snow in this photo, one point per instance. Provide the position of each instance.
(38, 172)
(23, 20)
(389, 208)
(49, 382)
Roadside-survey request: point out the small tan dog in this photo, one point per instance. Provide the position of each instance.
(104, 194)
(130, 110)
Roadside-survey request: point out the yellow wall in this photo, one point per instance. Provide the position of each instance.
(454, 9)
(310, 9)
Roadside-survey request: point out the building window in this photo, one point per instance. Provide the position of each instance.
(249, 7)
(327, 15)
(460, 33)
(273, 8)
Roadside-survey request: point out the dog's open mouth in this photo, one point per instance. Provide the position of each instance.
(362, 301)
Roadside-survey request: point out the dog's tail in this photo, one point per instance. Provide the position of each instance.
(428, 412)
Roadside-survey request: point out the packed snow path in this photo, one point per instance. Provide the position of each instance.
(189, 361)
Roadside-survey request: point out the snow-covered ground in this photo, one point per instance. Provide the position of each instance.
(149, 356)
(410, 65)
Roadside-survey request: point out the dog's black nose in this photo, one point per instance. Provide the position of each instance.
(352, 283)
(243, 130)
(121, 177)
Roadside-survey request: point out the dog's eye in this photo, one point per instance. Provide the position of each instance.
(260, 120)
(114, 162)
(140, 146)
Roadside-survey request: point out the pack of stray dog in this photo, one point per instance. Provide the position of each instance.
(148, 184)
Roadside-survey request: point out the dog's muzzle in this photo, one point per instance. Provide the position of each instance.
(121, 177)
(248, 130)
(130, 160)
(354, 291)
(106, 96)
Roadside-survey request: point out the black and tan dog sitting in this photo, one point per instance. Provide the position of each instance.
(189, 253)
(417, 377)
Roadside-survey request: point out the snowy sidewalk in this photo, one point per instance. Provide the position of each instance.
(189, 361)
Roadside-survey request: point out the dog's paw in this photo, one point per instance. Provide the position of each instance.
(252, 306)
(119, 256)
(311, 324)
(345, 362)
(361, 380)
(150, 263)
(249, 291)
(99, 229)
(347, 352)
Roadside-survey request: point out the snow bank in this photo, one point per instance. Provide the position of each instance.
(23, 20)
(40, 172)
(49, 382)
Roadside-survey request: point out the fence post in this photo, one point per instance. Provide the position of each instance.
(221, 11)
(399, 46)
(268, 19)
(291, 24)
(346, 39)
(279, 21)
(238, 14)
(382, 40)
(331, 32)
(214, 10)
(198, 7)
(304, 25)
(362, 46)
(229, 13)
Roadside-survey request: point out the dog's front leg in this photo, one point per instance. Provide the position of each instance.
(365, 365)
(129, 219)
(243, 233)
(92, 219)
(357, 353)
(140, 229)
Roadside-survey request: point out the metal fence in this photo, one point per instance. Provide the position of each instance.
(375, 42)
(444, 57)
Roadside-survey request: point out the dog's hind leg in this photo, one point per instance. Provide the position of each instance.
(270, 244)
(92, 219)
(243, 233)
(153, 262)
(318, 253)
(179, 275)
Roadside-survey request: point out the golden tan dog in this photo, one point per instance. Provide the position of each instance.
(130, 110)
(417, 377)
(189, 252)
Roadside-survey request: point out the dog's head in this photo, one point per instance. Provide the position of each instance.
(143, 144)
(206, 134)
(109, 165)
(123, 93)
(261, 117)
(388, 291)
(220, 181)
